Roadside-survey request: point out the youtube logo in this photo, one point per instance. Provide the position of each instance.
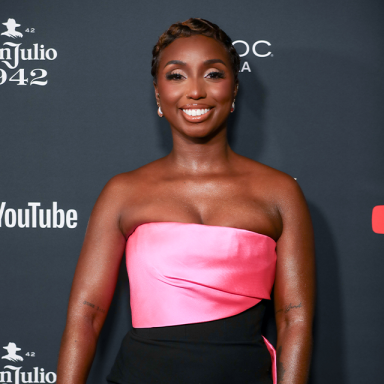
(378, 219)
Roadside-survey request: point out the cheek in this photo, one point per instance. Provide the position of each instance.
(222, 92)
(169, 93)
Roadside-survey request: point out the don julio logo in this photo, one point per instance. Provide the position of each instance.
(13, 374)
(32, 217)
(12, 55)
(11, 29)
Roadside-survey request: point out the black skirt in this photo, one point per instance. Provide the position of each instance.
(225, 351)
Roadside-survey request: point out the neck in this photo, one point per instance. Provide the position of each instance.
(201, 155)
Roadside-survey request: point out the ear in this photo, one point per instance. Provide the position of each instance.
(156, 92)
(236, 90)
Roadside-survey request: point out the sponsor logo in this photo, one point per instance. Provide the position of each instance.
(378, 219)
(12, 355)
(11, 29)
(260, 48)
(32, 217)
(12, 55)
(14, 373)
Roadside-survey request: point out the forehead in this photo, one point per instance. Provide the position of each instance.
(195, 48)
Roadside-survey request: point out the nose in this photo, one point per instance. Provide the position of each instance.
(196, 89)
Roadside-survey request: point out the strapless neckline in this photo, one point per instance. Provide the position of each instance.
(191, 273)
(204, 225)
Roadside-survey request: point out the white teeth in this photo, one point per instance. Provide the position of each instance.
(195, 112)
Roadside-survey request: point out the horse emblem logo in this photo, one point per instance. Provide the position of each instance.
(11, 29)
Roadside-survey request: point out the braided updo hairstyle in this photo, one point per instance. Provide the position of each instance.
(192, 27)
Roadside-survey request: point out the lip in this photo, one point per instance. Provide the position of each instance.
(196, 119)
(196, 106)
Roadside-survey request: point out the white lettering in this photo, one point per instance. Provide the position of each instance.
(17, 372)
(23, 377)
(16, 55)
(42, 375)
(20, 218)
(7, 221)
(246, 47)
(71, 216)
(47, 224)
(47, 376)
(36, 374)
(35, 51)
(261, 42)
(42, 57)
(2, 50)
(34, 213)
(22, 54)
(2, 211)
(245, 67)
(34, 218)
(56, 211)
(54, 54)
(254, 50)
(11, 56)
(2, 377)
(26, 377)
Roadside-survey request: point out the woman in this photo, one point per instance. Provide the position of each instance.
(209, 232)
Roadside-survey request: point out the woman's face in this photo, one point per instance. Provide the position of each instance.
(196, 85)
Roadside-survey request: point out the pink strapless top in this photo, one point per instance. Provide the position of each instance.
(183, 273)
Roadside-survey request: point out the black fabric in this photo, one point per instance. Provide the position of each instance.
(224, 351)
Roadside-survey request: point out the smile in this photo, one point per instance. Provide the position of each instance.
(196, 112)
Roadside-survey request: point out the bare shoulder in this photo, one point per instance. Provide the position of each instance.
(272, 177)
(280, 188)
(286, 204)
(283, 187)
(128, 183)
(122, 194)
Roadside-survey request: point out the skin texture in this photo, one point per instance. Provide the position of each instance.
(200, 181)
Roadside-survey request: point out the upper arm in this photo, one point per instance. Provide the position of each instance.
(97, 268)
(295, 269)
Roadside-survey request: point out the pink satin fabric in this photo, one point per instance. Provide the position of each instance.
(272, 352)
(183, 273)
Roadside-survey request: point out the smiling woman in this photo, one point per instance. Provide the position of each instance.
(204, 64)
(207, 234)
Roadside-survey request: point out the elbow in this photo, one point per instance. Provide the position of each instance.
(84, 323)
(297, 332)
(298, 325)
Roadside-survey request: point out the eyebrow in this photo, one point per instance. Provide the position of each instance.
(206, 62)
(175, 62)
(214, 61)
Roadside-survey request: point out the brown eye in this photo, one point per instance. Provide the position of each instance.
(173, 76)
(215, 75)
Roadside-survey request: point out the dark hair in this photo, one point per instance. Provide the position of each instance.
(192, 27)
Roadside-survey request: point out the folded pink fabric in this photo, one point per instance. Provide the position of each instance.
(183, 273)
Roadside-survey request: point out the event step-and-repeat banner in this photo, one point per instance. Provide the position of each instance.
(77, 107)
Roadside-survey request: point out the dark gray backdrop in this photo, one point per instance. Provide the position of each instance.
(313, 109)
